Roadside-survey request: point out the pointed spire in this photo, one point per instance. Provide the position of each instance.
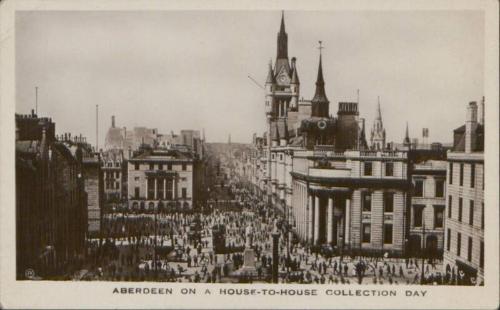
(270, 74)
(295, 77)
(406, 141)
(320, 98)
(282, 51)
(282, 27)
(379, 112)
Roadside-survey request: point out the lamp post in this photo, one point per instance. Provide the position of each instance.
(423, 250)
(155, 236)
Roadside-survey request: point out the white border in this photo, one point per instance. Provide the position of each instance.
(18, 294)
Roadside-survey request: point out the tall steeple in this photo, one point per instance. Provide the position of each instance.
(379, 113)
(320, 103)
(377, 138)
(282, 40)
(282, 65)
(406, 141)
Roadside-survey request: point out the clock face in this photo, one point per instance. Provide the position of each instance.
(283, 78)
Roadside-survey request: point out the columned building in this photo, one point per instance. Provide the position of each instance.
(353, 200)
(163, 179)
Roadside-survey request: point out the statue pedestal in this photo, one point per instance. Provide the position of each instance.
(249, 258)
(248, 267)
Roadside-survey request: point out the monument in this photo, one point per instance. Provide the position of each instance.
(249, 254)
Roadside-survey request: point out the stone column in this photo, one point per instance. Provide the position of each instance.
(329, 222)
(310, 219)
(347, 221)
(316, 219)
(165, 189)
(173, 188)
(147, 187)
(156, 189)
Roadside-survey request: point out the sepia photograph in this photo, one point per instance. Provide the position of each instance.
(340, 150)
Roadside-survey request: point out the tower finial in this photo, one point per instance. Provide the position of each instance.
(282, 43)
(379, 112)
(282, 27)
(320, 103)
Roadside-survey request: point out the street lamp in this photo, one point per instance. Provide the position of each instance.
(423, 250)
(155, 236)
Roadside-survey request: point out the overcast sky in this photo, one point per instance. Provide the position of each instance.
(188, 70)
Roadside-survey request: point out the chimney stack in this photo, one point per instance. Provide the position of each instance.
(113, 121)
(480, 112)
(470, 124)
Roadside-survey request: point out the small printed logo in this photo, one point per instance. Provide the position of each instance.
(29, 273)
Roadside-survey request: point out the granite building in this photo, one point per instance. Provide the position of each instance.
(51, 201)
(464, 228)
(167, 179)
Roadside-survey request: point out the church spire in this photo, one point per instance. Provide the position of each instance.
(406, 141)
(320, 101)
(379, 112)
(282, 40)
(377, 138)
(282, 65)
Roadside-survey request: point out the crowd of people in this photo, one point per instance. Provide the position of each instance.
(180, 247)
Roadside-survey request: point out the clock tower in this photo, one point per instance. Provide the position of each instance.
(282, 84)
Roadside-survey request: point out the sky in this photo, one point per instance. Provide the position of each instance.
(174, 70)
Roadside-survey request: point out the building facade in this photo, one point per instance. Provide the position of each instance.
(427, 219)
(464, 229)
(164, 178)
(353, 200)
(51, 201)
(114, 175)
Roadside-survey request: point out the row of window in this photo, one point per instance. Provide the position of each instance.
(161, 194)
(460, 210)
(368, 169)
(273, 156)
(160, 166)
(367, 233)
(419, 188)
(388, 202)
(472, 180)
(110, 164)
(469, 247)
(111, 174)
(418, 216)
(112, 185)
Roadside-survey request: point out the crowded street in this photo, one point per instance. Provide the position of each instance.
(179, 247)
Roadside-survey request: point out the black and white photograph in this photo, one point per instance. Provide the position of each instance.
(274, 151)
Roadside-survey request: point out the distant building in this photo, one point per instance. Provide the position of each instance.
(129, 140)
(464, 228)
(114, 175)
